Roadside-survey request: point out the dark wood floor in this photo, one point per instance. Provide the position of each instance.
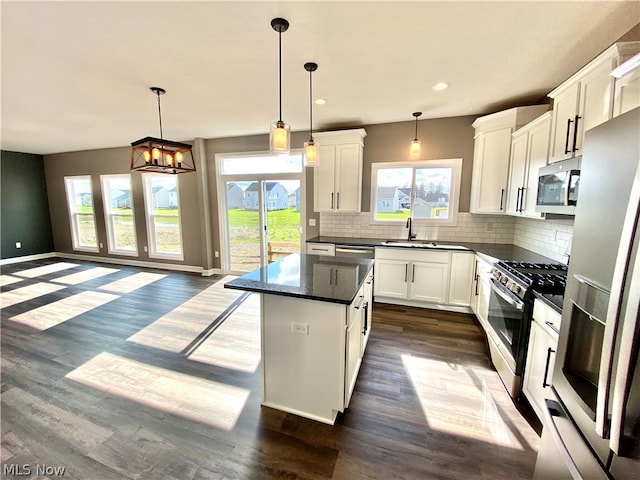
(109, 393)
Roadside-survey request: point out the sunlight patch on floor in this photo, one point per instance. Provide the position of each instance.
(129, 284)
(8, 280)
(85, 275)
(454, 403)
(236, 343)
(205, 401)
(174, 331)
(55, 313)
(28, 292)
(45, 269)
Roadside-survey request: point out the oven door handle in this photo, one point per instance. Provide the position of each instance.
(508, 297)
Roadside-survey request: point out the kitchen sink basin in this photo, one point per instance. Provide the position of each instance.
(422, 244)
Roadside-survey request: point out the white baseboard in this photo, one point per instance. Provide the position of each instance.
(26, 258)
(118, 261)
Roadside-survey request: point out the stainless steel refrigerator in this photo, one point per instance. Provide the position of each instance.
(592, 423)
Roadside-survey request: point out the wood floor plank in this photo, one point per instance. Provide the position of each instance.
(81, 394)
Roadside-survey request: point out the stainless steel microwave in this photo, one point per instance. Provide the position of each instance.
(558, 186)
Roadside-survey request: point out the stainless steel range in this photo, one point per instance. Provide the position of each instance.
(510, 306)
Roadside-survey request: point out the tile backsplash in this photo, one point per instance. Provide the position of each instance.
(470, 228)
(546, 237)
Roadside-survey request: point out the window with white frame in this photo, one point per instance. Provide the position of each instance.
(119, 215)
(81, 214)
(163, 216)
(427, 190)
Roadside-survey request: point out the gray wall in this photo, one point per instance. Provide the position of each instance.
(109, 162)
(441, 138)
(24, 208)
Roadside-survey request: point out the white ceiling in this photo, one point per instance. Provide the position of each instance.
(75, 75)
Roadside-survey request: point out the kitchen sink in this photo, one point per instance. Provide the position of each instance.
(422, 244)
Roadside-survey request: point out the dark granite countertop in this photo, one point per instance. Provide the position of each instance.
(307, 276)
(492, 252)
(554, 301)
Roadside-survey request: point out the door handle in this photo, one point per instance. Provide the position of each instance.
(552, 326)
(366, 318)
(413, 273)
(566, 140)
(501, 199)
(406, 272)
(331, 200)
(522, 199)
(546, 368)
(338, 201)
(575, 134)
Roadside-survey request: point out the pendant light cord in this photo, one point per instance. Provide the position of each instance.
(160, 115)
(310, 105)
(280, 72)
(416, 136)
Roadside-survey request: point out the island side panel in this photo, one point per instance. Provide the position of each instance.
(303, 373)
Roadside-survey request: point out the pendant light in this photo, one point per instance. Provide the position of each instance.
(414, 151)
(279, 133)
(311, 154)
(152, 154)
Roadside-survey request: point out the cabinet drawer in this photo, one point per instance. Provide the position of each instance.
(412, 254)
(321, 249)
(546, 317)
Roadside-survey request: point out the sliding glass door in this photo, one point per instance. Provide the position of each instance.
(261, 213)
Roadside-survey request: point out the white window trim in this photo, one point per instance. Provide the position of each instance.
(151, 236)
(109, 216)
(73, 215)
(454, 192)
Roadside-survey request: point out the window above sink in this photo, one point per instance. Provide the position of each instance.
(428, 191)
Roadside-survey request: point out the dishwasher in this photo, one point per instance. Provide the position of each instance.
(355, 251)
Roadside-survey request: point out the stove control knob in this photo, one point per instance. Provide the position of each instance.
(515, 288)
(496, 273)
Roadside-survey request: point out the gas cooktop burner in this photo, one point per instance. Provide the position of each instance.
(522, 277)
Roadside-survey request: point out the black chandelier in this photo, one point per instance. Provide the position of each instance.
(152, 154)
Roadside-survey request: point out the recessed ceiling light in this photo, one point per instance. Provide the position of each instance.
(321, 101)
(441, 86)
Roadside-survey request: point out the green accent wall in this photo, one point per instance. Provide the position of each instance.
(24, 208)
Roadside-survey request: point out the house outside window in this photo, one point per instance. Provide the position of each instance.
(81, 213)
(119, 214)
(428, 191)
(162, 206)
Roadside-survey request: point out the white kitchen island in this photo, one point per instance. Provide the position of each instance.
(315, 323)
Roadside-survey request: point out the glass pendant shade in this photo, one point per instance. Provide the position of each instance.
(311, 154)
(280, 138)
(414, 151)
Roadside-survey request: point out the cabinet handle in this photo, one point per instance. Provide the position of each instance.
(501, 199)
(413, 273)
(546, 368)
(552, 326)
(575, 134)
(338, 201)
(366, 318)
(566, 140)
(332, 200)
(370, 280)
(336, 276)
(406, 272)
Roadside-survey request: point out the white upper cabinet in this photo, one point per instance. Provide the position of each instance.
(338, 178)
(585, 100)
(627, 86)
(492, 151)
(529, 152)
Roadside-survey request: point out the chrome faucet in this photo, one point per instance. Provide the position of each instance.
(410, 235)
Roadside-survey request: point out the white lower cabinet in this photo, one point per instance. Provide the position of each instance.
(424, 278)
(311, 353)
(541, 354)
(482, 291)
